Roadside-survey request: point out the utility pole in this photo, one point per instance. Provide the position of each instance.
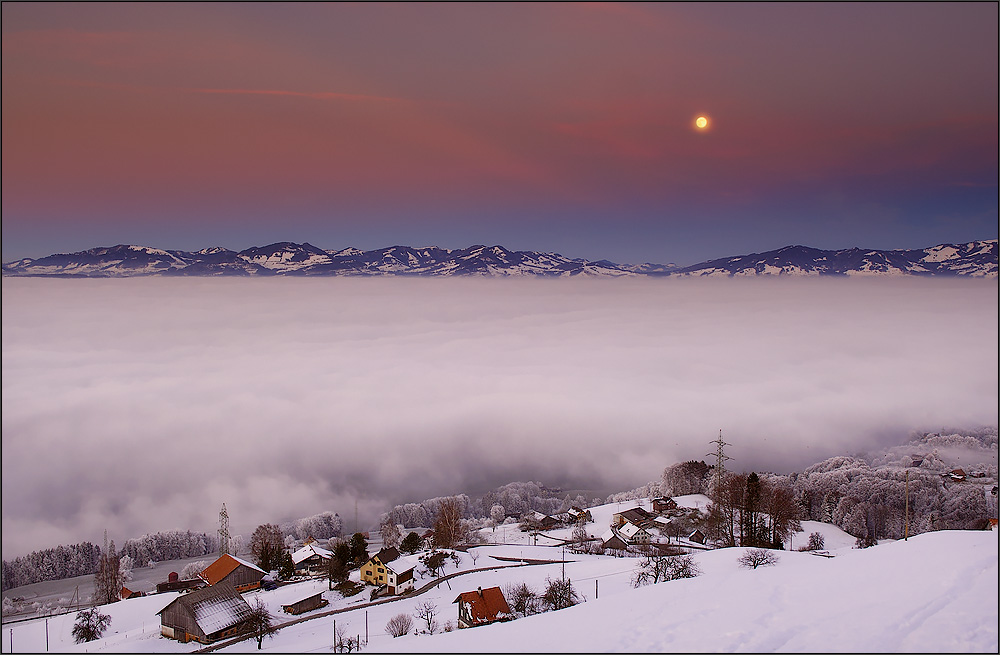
(906, 529)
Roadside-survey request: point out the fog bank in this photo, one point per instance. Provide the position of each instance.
(140, 405)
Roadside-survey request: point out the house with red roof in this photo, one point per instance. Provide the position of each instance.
(240, 573)
(482, 606)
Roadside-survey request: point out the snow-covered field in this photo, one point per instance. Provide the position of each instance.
(936, 592)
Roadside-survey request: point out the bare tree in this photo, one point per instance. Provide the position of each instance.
(521, 598)
(559, 594)
(260, 624)
(448, 525)
(107, 578)
(474, 556)
(399, 625)
(343, 643)
(755, 557)
(427, 612)
(266, 546)
(90, 625)
(662, 568)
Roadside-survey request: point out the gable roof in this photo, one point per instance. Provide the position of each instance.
(635, 515)
(214, 608)
(222, 567)
(306, 552)
(485, 605)
(403, 564)
(386, 555)
(630, 530)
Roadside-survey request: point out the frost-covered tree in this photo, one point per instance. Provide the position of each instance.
(391, 535)
(266, 546)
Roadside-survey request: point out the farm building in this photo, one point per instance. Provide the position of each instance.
(311, 558)
(399, 575)
(580, 515)
(306, 604)
(240, 573)
(636, 515)
(481, 607)
(374, 570)
(664, 504)
(633, 534)
(174, 583)
(205, 615)
(611, 540)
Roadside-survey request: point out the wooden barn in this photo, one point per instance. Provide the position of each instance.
(205, 615)
(240, 573)
(306, 604)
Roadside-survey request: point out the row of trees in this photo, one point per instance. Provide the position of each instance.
(51, 564)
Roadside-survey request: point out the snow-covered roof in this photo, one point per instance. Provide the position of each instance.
(306, 552)
(214, 608)
(403, 564)
(630, 530)
(661, 520)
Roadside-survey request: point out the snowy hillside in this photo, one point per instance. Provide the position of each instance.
(936, 592)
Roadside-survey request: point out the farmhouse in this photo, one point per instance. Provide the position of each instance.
(580, 515)
(664, 504)
(311, 557)
(636, 515)
(612, 541)
(399, 575)
(374, 571)
(482, 606)
(243, 575)
(205, 615)
(633, 534)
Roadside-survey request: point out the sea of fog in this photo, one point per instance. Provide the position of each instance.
(139, 405)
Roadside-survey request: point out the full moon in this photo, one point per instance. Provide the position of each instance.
(701, 122)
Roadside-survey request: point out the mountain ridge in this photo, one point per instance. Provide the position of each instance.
(286, 258)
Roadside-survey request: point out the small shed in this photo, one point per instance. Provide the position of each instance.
(127, 593)
(697, 536)
(306, 604)
(482, 606)
(205, 615)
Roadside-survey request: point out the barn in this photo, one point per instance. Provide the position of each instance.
(240, 573)
(205, 615)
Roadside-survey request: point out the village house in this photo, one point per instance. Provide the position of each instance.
(374, 571)
(580, 515)
(610, 540)
(306, 604)
(399, 575)
(127, 593)
(311, 558)
(632, 534)
(664, 504)
(636, 515)
(482, 606)
(240, 573)
(540, 521)
(205, 615)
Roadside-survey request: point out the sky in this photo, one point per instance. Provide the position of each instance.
(875, 600)
(142, 405)
(565, 128)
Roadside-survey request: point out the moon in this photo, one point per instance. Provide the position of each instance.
(701, 122)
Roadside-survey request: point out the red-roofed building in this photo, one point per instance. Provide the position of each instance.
(481, 607)
(240, 573)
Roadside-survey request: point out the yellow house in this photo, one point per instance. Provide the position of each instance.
(388, 569)
(374, 571)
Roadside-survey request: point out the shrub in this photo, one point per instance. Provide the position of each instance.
(399, 625)
(755, 557)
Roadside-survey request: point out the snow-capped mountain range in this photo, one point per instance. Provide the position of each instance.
(974, 259)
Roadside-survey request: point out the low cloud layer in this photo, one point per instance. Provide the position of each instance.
(142, 405)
